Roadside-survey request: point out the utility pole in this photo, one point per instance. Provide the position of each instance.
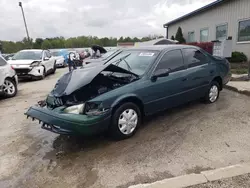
(25, 24)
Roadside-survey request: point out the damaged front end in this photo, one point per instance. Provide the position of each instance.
(70, 107)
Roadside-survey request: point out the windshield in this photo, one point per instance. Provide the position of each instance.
(55, 53)
(28, 55)
(135, 61)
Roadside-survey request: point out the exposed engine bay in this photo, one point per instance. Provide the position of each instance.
(102, 83)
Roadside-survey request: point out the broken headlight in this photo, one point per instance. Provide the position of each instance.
(94, 109)
(35, 64)
(76, 109)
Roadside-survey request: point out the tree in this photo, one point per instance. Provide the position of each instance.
(38, 43)
(172, 37)
(179, 36)
(46, 44)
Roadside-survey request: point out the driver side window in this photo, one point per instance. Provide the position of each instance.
(172, 60)
(47, 54)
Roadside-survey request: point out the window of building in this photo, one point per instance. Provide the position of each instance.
(194, 57)
(191, 36)
(204, 35)
(244, 31)
(172, 60)
(221, 32)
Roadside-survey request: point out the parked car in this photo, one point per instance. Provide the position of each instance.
(60, 57)
(8, 79)
(33, 63)
(105, 57)
(8, 56)
(115, 96)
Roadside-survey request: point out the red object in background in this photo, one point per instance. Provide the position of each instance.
(207, 46)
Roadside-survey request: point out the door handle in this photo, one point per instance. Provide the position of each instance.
(212, 72)
(184, 79)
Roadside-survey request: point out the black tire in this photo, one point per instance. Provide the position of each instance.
(44, 74)
(7, 95)
(114, 129)
(214, 84)
(54, 69)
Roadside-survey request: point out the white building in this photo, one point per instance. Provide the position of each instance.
(216, 21)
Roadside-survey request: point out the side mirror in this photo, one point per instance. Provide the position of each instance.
(45, 58)
(161, 73)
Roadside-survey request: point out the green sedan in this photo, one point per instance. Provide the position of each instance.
(115, 96)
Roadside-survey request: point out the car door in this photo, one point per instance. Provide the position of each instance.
(2, 70)
(166, 92)
(51, 59)
(47, 60)
(198, 72)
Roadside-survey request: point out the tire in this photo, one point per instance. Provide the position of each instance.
(9, 88)
(123, 131)
(44, 74)
(54, 69)
(213, 93)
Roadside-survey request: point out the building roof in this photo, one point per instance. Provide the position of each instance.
(209, 6)
(161, 41)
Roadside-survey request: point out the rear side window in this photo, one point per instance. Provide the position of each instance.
(2, 61)
(172, 60)
(194, 57)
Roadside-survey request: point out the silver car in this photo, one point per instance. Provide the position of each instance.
(8, 79)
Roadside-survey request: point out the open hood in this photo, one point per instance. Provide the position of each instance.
(97, 47)
(76, 79)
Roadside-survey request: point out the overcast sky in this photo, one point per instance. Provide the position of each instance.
(70, 18)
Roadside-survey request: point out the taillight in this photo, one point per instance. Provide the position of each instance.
(12, 67)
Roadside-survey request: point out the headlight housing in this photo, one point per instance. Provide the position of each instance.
(35, 64)
(94, 109)
(76, 109)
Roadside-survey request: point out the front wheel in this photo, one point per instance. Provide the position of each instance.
(9, 88)
(54, 68)
(213, 92)
(125, 121)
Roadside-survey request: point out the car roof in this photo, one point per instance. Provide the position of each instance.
(161, 47)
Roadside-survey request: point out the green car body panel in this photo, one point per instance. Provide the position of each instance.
(151, 95)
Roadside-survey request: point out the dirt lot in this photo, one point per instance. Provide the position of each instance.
(183, 140)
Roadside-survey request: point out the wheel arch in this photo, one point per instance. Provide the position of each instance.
(11, 78)
(219, 80)
(129, 98)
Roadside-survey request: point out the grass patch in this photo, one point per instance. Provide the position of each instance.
(239, 68)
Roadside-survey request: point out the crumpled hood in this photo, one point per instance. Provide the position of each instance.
(78, 78)
(21, 62)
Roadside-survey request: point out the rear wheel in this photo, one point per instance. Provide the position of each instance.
(125, 121)
(9, 88)
(213, 92)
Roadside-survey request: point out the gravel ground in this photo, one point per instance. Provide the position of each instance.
(242, 181)
(187, 139)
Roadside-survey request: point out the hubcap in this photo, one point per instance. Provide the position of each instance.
(128, 121)
(9, 87)
(213, 94)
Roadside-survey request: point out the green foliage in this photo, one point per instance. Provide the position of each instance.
(73, 42)
(238, 57)
(179, 36)
(46, 44)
